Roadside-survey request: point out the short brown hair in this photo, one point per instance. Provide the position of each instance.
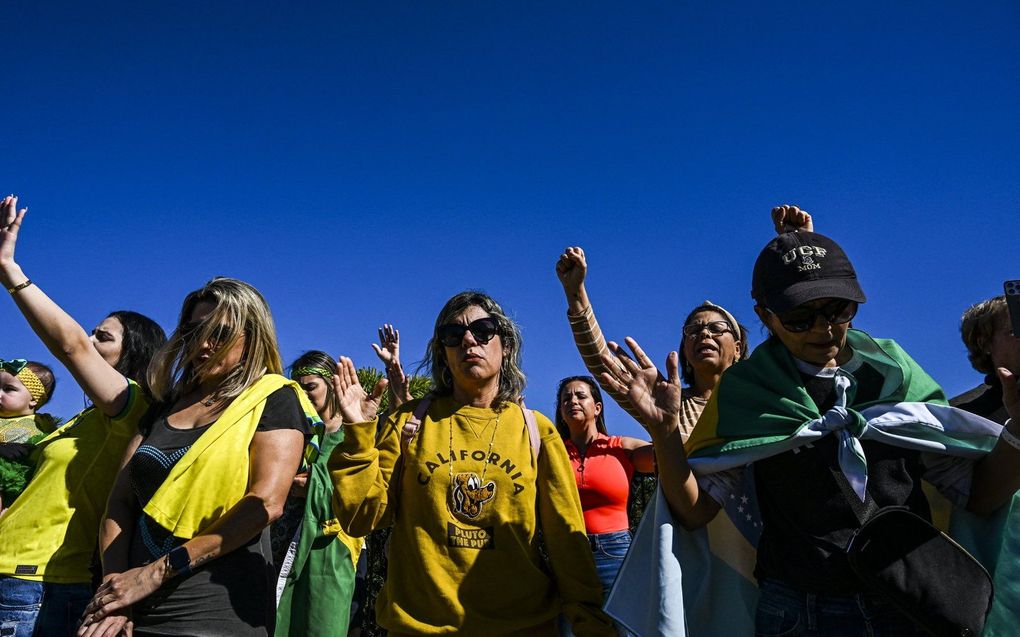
(46, 377)
(978, 326)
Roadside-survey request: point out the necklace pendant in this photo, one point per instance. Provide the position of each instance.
(468, 496)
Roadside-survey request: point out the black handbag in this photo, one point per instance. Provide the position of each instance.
(941, 587)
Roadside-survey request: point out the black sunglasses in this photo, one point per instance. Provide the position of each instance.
(801, 319)
(220, 334)
(483, 330)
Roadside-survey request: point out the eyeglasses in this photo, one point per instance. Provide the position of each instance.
(801, 319)
(715, 328)
(219, 335)
(452, 334)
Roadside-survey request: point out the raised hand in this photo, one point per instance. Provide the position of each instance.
(388, 349)
(571, 269)
(657, 398)
(388, 352)
(356, 405)
(788, 218)
(10, 223)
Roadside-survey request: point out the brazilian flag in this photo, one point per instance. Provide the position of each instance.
(316, 592)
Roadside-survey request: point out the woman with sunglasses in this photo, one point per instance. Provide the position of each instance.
(795, 413)
(48, 535)
(470, 481)
(185, 543)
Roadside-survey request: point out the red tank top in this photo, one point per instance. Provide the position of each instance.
(603, 480)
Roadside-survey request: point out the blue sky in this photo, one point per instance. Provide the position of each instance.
(360, 163)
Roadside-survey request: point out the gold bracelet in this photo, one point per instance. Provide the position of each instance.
(20, 286)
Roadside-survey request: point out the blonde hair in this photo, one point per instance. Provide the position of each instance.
(978, 326)
(240, 310)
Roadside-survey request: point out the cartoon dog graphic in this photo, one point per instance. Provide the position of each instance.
(469, 494)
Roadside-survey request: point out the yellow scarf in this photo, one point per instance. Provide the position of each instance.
(213, 474)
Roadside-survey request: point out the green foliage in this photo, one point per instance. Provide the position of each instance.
(369, 376)
(15, 474)
(642, 490)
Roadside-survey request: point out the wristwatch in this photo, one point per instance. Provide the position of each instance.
(178, 562)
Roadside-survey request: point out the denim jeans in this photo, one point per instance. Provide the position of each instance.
(609, 549)
(35, 608)
(784, 611)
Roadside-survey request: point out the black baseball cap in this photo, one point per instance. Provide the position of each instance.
(797, 267)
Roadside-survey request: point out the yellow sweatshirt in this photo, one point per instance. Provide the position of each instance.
(466, 560)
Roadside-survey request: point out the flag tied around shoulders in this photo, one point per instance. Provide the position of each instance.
(759, 409)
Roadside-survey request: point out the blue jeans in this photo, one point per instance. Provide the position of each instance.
(609, 549)
(36, 608)
(784, 611)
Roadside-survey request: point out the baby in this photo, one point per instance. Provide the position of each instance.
(25, 386)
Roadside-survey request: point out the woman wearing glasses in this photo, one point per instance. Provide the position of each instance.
(470, 481)
(795, 413)
(185, 543)
(711, 341)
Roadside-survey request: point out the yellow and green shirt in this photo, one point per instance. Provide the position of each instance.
(49, 534)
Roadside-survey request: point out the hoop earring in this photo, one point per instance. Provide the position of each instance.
(447, 377)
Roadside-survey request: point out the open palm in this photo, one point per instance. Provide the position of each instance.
(356, 405)
(657, 398)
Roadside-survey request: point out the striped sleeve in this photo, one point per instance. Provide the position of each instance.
(591, 344)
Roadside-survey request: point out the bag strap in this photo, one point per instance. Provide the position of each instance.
(863, 511)
(413, 423)
(407, 434)
(531, 424)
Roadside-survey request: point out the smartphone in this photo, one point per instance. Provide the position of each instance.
(1012, 289)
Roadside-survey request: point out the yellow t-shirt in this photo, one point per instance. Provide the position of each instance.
(50, 532)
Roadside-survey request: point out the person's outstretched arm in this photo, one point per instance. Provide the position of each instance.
(658, 400)
(65, 339)
(571, 268)
(359, 467)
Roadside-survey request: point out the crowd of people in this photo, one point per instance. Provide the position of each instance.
(207, 490)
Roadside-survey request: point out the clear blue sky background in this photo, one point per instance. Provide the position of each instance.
(360, 163)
